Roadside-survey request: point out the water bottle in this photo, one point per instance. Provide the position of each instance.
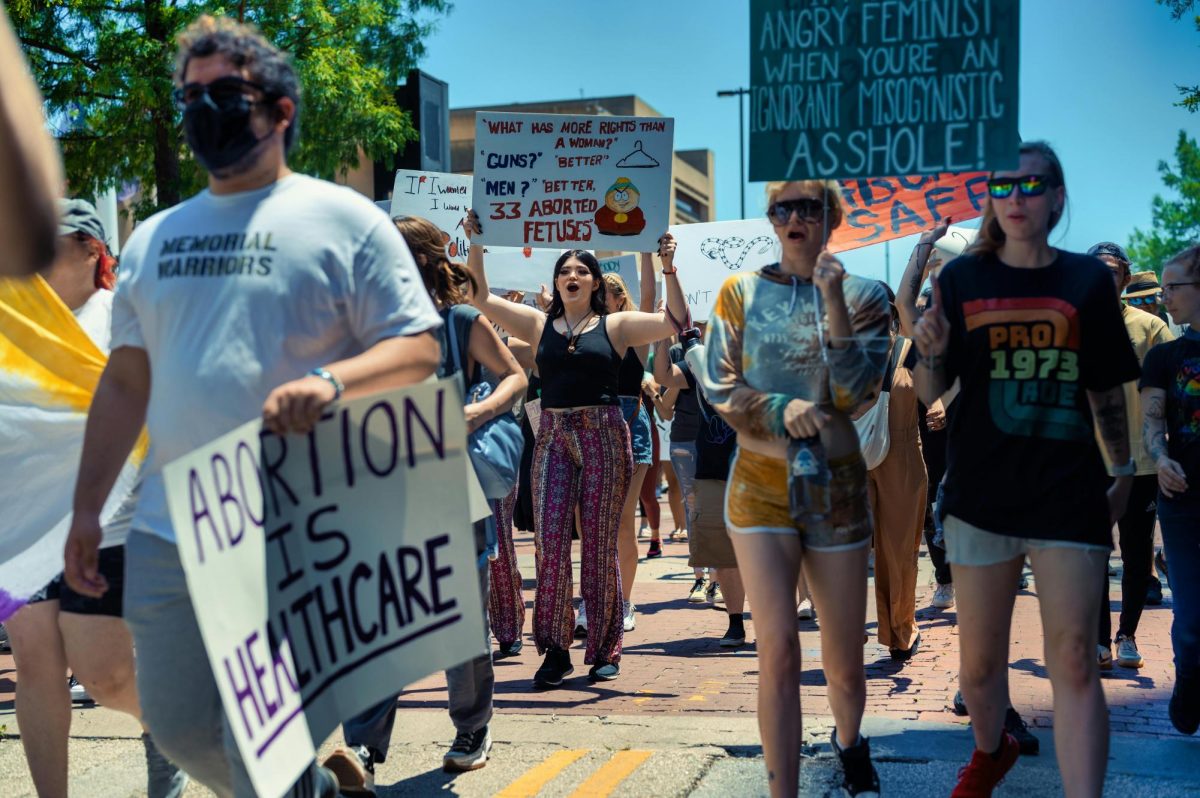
(808, 481)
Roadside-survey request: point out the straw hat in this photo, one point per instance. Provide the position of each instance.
(1143, 284)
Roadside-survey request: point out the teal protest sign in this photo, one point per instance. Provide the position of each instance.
(857, 88)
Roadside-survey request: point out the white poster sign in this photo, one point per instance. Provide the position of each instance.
(708, 253)
(328, 571)
(561, 181)
(441, 197)
(627, 267)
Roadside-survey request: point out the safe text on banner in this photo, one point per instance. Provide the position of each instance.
(843, 88)
(876, 210)
(555, 180)
(329, 570)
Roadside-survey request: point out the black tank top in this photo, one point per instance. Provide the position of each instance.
(629, 379)
(585, 377)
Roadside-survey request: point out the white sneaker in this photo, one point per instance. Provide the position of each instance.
(78, 693)
(581, 620)
(943, 597)
(628, 622)
(714, 594)
(1127, 653)
(806, 611)
(1104, 657)
(697, 595)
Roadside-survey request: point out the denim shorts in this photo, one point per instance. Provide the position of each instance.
(969, 545)
(639, 430)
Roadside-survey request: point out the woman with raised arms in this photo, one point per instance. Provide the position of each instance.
(583, 455)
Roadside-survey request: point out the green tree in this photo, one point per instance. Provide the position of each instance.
(1191, 94)
(1176, 220)
(104, 67)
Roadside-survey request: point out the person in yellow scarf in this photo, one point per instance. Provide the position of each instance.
(54, 334)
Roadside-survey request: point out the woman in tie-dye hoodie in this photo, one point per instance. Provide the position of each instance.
(793, 349)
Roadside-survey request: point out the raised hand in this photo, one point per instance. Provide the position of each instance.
(666, 251)
(932, 333)
(828, 275)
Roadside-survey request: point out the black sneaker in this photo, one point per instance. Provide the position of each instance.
(1184, 708)
(655, 550)
(905, 654)
(859, 779)
(468, 752)
(604, 671)
(1154, 596)
(960, 706)
(1020, 732)
(555, 667)
(510, 649)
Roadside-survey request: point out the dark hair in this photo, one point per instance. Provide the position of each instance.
(449, 283)
(1189, 258)
(246, 47)
(599, 296)
(991, 235)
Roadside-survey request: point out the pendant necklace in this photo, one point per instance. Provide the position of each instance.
(571, 334)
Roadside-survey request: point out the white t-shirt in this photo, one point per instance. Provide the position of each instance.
(234, 295)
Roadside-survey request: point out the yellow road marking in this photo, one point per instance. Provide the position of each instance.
(531, 783)
(611, 773)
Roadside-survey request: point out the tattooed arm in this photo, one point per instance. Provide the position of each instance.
(1171, 479)
(1108, 408)
(914, 277)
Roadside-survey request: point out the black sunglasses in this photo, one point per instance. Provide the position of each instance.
(1029, 186)
(224, 94)
(807, 209)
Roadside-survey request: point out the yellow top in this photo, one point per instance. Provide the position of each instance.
(1146, 331)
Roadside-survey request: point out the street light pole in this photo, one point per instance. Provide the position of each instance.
(741, 139)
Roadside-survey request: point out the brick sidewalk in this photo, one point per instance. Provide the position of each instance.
(672, 663)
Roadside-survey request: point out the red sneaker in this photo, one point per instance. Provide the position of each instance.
(983, 773)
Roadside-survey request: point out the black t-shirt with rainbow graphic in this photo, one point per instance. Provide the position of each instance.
(1028, 345)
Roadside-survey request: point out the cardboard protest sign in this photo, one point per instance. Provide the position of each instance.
(327, 571)
(842, 88)
(520, 268)
(627, 267)
(441, 197)
(710, 252)
(877, 210)
(561, 181)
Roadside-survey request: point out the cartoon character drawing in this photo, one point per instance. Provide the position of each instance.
(620, 214)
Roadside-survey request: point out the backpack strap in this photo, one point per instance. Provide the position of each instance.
(899, 348)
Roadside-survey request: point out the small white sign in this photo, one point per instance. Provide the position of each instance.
(710, 252)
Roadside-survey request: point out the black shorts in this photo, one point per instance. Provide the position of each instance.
(112, 567)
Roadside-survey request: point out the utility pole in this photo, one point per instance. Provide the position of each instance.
(739, 93)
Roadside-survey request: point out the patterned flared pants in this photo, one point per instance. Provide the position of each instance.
(506, 605)
(583, 458)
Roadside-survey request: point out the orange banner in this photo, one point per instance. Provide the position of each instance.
(883, 208)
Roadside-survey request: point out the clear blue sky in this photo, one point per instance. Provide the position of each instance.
(1097, 80)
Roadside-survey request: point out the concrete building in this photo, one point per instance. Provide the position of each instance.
(693, 192)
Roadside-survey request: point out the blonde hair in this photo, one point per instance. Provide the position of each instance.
(617, 286)
(830, 191)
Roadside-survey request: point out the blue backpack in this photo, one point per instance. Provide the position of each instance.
(495, 448)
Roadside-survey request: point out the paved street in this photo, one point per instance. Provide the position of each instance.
(680, 720)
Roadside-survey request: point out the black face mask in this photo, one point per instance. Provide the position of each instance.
(219, 133)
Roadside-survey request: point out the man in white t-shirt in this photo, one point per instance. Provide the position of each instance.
(269, 294)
